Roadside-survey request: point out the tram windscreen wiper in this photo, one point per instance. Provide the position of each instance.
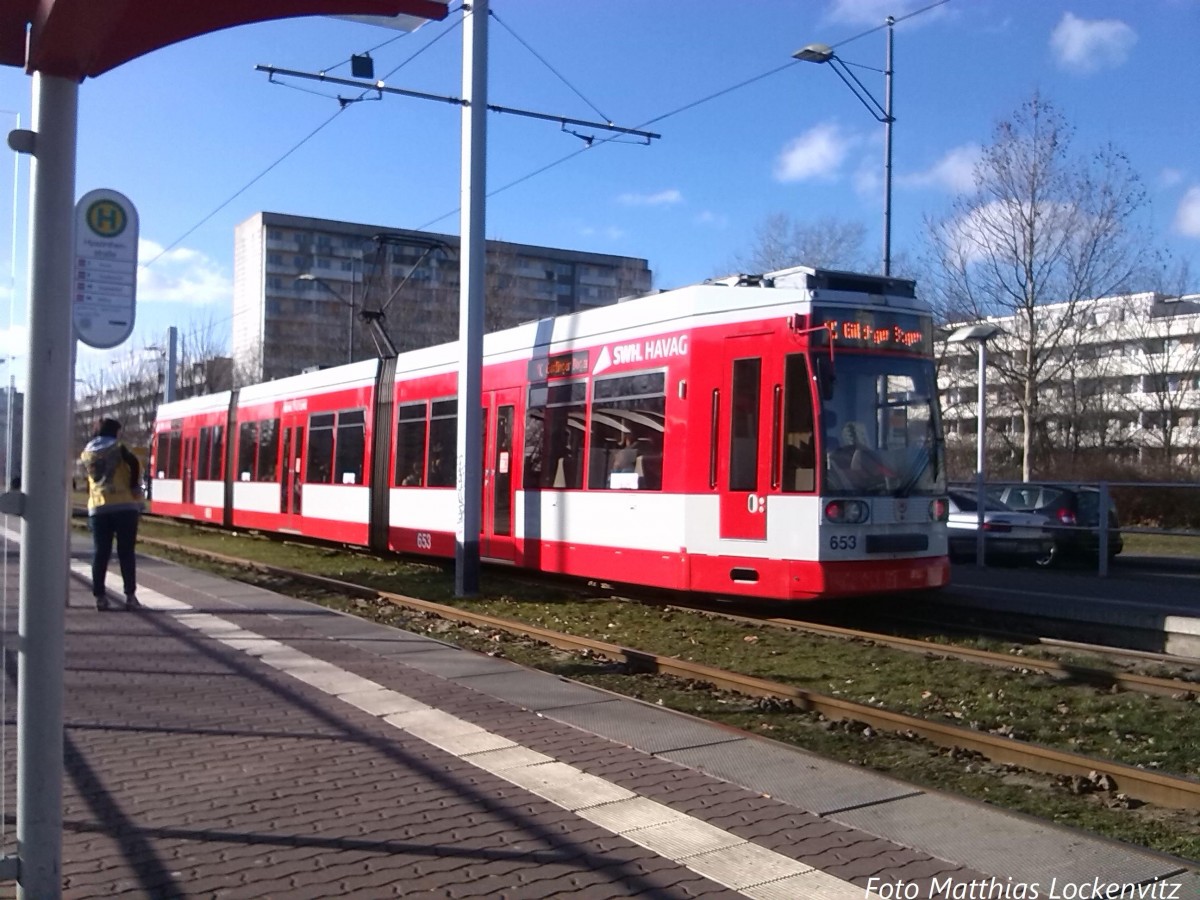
(921, 464)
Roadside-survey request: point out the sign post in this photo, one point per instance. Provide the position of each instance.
(104, 279)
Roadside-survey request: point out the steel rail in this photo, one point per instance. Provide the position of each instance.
(1149, 786)
(1101, 678)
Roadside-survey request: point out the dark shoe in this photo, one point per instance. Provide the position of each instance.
(101, 603)
(132, 602)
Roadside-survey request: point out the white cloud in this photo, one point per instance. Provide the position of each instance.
(989, 230)
(14, 342)
(1084, 45)
(708, 217)
(1187, 216)
(668, 197)
(610, 232)
(1170, 177)
(818, 153)
(954, 172)
(179, 276)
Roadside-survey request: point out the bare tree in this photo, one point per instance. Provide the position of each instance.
(125, 386)
(782, 241)
(1164, 347)
(1043, 225)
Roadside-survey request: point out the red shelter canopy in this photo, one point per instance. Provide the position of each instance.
(82, 38)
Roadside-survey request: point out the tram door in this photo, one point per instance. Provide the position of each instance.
(499, 416)
(744, 413)
(188, 466)
(290, 469)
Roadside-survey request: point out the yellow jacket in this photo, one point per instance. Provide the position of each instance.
(113, 476)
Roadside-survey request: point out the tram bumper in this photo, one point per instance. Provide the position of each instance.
(873, 576)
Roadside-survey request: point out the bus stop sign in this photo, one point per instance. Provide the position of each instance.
(104, 282)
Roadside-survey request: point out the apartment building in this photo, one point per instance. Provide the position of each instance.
(302, 285)
(1118, 378)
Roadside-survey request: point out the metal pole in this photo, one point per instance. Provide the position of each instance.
(980, 456)
(169, 381)
(469, 464)
(887, 151)
(8, 438)
(12, 299)
(44, 537)
(350, 324)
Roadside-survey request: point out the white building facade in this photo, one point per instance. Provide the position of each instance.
(1117, 379)
(301, 286)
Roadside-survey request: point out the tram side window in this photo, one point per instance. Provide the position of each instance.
(743, 433)
(258, 450)
(410, 445)
(351, 445)
(628, 416)
(268, 450)
(247, 442)
(554, 432)
(167, 457)
(443, 443)
(216, 468)
(799, 456)
(205, 449)
(319, 469)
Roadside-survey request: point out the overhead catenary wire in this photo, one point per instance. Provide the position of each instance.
(308, 137)
(543, 61)
(590, 145)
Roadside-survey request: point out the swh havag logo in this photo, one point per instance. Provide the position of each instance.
(107, 218)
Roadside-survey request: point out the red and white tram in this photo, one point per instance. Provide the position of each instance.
(773, 436)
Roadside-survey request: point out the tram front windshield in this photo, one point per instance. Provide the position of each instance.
(882, 433)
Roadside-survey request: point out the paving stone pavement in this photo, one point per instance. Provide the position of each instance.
(195, 770)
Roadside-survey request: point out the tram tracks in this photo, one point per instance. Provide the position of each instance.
(1103, 678)
(1142, 784)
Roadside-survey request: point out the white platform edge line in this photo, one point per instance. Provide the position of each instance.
(833, 888)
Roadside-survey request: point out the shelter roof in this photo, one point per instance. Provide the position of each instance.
(85, 38)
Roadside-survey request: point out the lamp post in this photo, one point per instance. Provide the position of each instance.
(308, 276)
(823, 53)
(979, 335)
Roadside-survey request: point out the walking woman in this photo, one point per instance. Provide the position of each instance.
(114, 505)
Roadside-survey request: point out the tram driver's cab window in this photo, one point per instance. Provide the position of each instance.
(799, 453)
(626, 446)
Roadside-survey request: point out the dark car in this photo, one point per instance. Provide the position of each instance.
(1074, 514)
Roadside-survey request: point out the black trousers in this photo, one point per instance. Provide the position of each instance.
(121, 524)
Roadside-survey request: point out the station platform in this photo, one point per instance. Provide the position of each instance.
(229, 742)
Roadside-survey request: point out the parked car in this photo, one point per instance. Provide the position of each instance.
(1074, 513)
(1007, 534)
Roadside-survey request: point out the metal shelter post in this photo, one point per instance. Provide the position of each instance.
(169, 379)
(469, 463)
(44, 535)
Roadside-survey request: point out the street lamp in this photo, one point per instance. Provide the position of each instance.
(823, 53)
(979, 335)
(308, 276)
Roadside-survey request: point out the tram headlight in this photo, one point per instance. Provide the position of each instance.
(847, 512)
(939, 510)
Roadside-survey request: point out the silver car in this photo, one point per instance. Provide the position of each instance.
(1007, 534)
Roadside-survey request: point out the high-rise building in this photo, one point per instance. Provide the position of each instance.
(305, 290)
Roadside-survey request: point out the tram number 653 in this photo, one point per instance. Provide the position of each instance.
(843, 541)
(424, 540)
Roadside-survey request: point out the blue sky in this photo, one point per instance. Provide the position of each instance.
(183, 130)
